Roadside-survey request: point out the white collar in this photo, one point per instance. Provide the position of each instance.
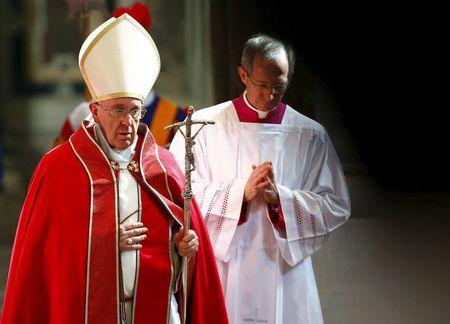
(123, 156)
(261, 114)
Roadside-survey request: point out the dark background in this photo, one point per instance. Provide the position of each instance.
(380, 61)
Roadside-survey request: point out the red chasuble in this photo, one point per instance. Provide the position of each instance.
(65, 260)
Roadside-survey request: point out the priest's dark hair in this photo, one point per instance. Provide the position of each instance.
(269, 48)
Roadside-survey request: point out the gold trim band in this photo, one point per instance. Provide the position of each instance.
(115, 95)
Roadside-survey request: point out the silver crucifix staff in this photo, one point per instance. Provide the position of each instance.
(189, 166)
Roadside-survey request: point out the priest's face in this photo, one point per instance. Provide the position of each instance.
(118, 119)
(267, 83)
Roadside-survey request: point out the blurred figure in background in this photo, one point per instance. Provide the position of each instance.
(160, 111)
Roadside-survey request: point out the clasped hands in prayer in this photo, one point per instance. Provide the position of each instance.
(262, 180)
(133, 233)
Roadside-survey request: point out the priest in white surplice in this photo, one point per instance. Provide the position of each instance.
(271, 189)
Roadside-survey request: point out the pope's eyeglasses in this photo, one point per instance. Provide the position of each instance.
(118, 112)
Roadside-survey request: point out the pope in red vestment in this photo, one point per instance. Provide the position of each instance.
(65, 261)
(101, 232)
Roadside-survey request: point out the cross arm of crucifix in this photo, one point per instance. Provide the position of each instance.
(188, 123)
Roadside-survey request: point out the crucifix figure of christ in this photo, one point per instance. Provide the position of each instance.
(189, 166)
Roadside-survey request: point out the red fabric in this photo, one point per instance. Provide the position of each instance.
(247, 115)
(47, 275)
(102, 244)
(276, 217)
(153, 285)
(138, 11)
(66, 129)
(49, 264)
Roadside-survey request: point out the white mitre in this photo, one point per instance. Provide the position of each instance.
(119, 59)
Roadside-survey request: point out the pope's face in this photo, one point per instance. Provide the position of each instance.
(116, 121)
(267, 82)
